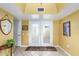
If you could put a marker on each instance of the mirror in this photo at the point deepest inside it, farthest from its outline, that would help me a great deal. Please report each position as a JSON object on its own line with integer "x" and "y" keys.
{"x": 5, "y": 26}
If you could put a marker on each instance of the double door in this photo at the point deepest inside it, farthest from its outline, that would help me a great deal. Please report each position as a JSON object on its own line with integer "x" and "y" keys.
{"x": 40, "y": 33}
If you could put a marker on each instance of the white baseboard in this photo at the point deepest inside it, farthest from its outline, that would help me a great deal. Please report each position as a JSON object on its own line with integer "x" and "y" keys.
{"x": 63, "y": 50}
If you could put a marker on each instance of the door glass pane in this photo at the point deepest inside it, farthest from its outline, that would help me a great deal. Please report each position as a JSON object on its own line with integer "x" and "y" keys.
{"x": 46, "y": 33}
{"x": 35, "y": 34}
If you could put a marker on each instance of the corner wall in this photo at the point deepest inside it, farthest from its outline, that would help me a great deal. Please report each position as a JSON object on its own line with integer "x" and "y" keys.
{"x": 56, "y": 32}
{"x": 70, "y": 44}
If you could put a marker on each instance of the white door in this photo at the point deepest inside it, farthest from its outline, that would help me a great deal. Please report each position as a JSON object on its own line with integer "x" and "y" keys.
{"x": 40, "y": 33}
{"x": 46, "y": 33}
{"x": 34, "y": 33}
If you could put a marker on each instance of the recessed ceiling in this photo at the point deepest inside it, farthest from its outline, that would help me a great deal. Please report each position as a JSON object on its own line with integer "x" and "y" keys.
{"x": 54, "y": 11}
{"x": 31, "y": 8}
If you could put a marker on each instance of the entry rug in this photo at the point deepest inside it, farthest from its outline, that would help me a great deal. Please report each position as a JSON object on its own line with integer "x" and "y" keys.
{"x": 41, "y": 49}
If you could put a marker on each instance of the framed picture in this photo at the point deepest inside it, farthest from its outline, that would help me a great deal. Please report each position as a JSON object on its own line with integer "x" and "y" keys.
{"x": 25, "y": 27}
{"x": 66, "y": 29}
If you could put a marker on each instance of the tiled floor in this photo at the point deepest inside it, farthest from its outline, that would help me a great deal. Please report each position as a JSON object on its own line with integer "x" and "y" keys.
{"x": 20, "y": 51}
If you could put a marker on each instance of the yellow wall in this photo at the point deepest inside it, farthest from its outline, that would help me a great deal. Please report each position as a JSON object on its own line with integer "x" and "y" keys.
{"x": 4, "y": 38}
{"x": 70, "y": 44}
{"x": 25, "y": 35}
{"x": 56, "y": 32}
{"x": 21, "y": 6}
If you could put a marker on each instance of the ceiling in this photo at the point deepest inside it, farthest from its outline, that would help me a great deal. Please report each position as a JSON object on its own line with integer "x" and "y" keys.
{"x": 54, "y": 11}
{"x": 31, "y": 8}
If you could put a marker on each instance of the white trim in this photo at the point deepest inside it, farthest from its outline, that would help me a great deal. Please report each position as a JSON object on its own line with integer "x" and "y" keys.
{"x": 29, "y": 33}
{"x": 52, "y": 43}
{"x": 20, "y": 33}
{"x": 63, "y": 50}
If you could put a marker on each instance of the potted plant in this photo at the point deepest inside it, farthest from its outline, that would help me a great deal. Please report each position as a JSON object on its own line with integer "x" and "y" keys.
{"x": 10, "y": 43}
